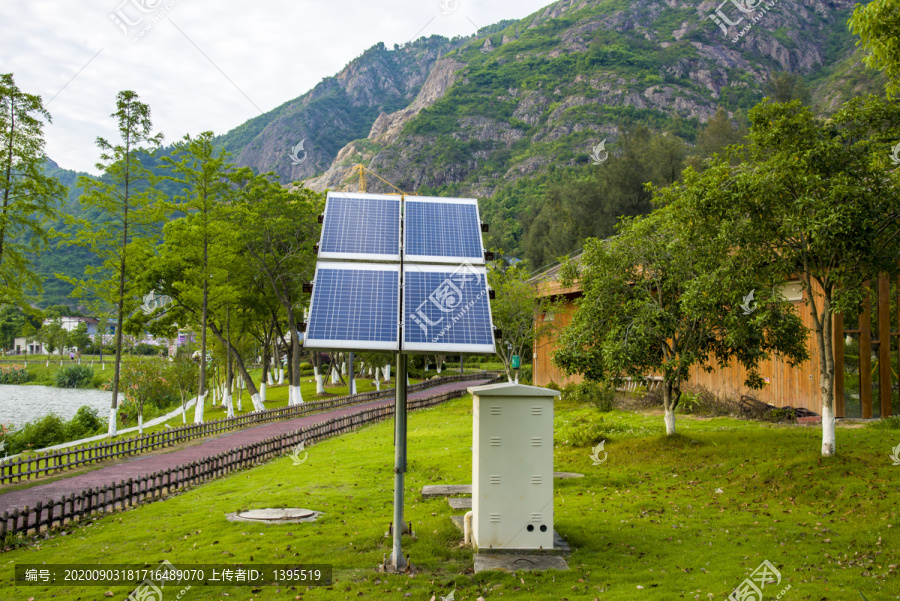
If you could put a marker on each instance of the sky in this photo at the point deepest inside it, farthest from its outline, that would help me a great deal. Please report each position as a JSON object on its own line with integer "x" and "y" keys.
{"x": 202, "y": 64}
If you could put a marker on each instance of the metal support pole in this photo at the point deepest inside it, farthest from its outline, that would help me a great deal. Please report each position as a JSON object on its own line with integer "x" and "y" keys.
{"x": 352, "y": 376}
{"x": 397, "y": 560}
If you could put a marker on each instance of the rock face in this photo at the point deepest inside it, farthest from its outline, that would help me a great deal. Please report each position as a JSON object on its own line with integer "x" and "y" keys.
{"x": 478, "y": 113}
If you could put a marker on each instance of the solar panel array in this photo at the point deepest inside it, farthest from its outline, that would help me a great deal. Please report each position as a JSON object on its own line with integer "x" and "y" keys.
{"x": 355, "y": 306}
{"x": 445, "y": 306}
{"x": 361, "y": 226}
{"x": 442, "y": 230}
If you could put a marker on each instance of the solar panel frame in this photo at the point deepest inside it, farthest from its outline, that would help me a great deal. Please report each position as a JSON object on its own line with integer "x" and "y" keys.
{"x": 349, "y": 304}
{"x": 431, "y": 323}
{"x": 327, "y": 246}
{"x": 409, "y": 254}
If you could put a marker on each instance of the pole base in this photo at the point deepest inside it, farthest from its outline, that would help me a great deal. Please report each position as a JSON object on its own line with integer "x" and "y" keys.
{"x": 390, "y": 565}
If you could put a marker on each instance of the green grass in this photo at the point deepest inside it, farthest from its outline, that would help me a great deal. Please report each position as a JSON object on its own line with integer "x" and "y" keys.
{"x": 649, "y": 516}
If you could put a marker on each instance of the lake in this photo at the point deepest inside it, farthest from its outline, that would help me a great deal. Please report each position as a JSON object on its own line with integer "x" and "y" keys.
{"x": 20, "y": 404}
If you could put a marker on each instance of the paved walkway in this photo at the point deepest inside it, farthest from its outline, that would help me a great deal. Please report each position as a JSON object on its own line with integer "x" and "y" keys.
{"x": 147, "y": 464}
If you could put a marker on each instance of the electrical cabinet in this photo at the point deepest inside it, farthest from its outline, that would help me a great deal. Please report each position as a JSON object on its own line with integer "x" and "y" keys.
{"x": 512, "y": 466}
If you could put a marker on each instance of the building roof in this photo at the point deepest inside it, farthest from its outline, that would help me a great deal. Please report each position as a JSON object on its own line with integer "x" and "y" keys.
{"x": 547, "y": 280}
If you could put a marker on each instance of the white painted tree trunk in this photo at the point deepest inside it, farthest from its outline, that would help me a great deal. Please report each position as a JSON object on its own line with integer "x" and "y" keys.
{"x": 387, "y": 372}
{"x": 377, "y": 384}
{"x": 240, "y": 395}
{"x": 343, "y": 368}
{"x": 334, "y": 375}
{"x": 140, "y": 424}
{"x": 183, "y": 415}
{"x": 280, "y": 376}
{"x": 352, "y": 385}
{"x": 296, "y": 396}
{"x": 439, "y": 366}
{"x": 670, "y": 421}
{"x": 320, "y": 381}
{"x": 103, "y": 367}
{"x": 112, "y": 423}
{"x": 829, "y": 442}
{"x": 258, "y": 403}
{"x": 262, "y": 391}
{"x": 48, "y": 362}
{"x": 229, "y": 408}
{"x": 269, "y": 378}
{"x": 198, "y": 409}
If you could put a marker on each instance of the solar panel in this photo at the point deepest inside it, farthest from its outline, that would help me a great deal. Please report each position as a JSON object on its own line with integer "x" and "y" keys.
{"x": 446, "y": 309}
{"x": 361, "y": 227}
{"x": 354, "y": 306}
{"x": 442, "y": 230}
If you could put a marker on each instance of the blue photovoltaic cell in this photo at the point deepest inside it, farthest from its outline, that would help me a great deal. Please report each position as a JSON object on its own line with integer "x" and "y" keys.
{"x": 449, "y": 310}
{"x": 443, "y": 229}
{"x": 360, "y": 226}
{"x": 356, "y": 307}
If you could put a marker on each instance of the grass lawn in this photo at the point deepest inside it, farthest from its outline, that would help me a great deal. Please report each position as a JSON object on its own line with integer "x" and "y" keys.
{"x": 687, "y": 517}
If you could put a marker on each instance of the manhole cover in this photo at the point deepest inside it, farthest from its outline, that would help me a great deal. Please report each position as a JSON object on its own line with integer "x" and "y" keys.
{"x": 276, "y": 515}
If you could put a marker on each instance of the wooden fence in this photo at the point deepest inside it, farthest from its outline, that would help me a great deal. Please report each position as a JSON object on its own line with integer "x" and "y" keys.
{"x": 45, "y": 463}
{"x": 109, "y": 498}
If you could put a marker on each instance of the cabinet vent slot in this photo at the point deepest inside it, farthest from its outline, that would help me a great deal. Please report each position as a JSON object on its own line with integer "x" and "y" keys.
{"x": 537, "y": 411}
{"x": 495, "y": 441}
{"x": 536, "y": 479}
{"x": 495, "y": 410}
{"x": 536, "y": 441}
{"x": 494, "y": 518}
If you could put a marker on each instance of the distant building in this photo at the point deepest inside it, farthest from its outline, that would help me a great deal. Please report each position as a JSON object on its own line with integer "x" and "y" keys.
{"x": 24, "y": 345}
{"x": 69, "y": 324}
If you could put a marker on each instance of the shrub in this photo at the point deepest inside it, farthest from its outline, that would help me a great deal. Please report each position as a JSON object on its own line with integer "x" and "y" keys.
{"x": 85, "y": 423}
{"x": 305, "y": 366}
{"x": 600, "y": 396}
{"x": 74, "y": 376}
{"x": 47, "y": 431}
{"x": 580, "y": 431}
{"x": 888, "y": 423}
{"x": 13, "y": 374}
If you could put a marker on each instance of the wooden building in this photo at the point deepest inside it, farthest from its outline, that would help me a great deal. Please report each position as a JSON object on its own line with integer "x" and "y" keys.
{"x": 866, "y": 353}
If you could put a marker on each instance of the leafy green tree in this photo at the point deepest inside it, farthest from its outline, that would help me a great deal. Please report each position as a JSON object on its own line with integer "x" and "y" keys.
{"x": 717, "y": 135}
{"x": 201, "y": 170}
{"x": 54, "y": 336}
{"x": 877, "y": 23}
{"x": 128, "y": 207}
{"x": 12, "y": 322}
{"x": 591, "y": 205}
{"x": 785, "y": 87}
{"x": 513, "y": 310}
{"x": 663, "y": 296}
{"x": 29, "y": 197}
{"x": 80, "y": 338}
{"x": 279, "y": 229}
{"x": 820, "y": 199}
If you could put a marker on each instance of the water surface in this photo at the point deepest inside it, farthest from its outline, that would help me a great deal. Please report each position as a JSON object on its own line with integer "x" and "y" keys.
{"x": 20, "y": 404}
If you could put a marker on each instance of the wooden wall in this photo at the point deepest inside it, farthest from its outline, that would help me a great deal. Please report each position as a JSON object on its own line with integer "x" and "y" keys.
{"x": 786, "y": 386}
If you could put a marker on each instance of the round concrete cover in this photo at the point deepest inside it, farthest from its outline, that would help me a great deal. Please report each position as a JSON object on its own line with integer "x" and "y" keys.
{"x": 276, "y": 514}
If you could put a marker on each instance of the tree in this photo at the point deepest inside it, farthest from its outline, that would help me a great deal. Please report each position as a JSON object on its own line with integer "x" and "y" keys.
{"x": 877, "y": 23}
{"x": 202, "y": 171}
{"x": 29, "y": 197}
{"x": 785, "y": 87}
{"x": 821, "y": 200}
{"x": 12, "y": 322}
{"x": 513, "y": 310}
{"x": 590, "y": 205}
{"x": 279, "y": 228}
{"x": 54, "y": 336}
{"x": 129, "y": 211}
{"x": 663, "y": 296}
{"x": 80, "y": 338}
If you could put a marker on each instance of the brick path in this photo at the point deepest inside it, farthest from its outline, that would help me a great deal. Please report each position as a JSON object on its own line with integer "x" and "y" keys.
{"x": 148, "y": 464}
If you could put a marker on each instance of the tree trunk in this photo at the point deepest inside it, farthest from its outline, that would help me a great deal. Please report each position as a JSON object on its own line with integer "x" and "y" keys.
{"x": 320, "y": 378}
{"x": 387, "y": 372}
{"x": 295, "y": 396}
{"x": 824, "y": 340}
{"x": 239, "y": 362}
{"x": 119, "y": 319}
{"x": 671, "y": 396}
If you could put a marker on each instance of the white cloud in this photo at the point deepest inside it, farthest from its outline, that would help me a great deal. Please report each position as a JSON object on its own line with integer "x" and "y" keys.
{"x": 202, "y": 64}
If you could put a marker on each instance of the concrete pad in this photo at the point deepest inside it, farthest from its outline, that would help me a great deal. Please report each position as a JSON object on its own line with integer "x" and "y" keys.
{"x": 460, "y": 502}
{"x": 567, "y": 475}
{"x": 446, "y": 490}
{"x": 518, "y": 563}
